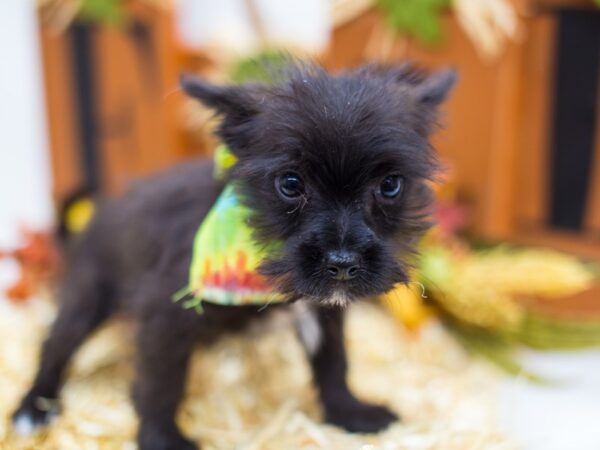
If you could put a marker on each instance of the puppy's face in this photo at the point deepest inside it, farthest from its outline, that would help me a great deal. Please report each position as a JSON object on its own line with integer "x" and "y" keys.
{"x": 337, "y": 168}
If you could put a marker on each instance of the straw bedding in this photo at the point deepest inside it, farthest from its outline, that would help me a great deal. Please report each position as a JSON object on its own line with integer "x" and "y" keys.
{"x": 254, "y": 392}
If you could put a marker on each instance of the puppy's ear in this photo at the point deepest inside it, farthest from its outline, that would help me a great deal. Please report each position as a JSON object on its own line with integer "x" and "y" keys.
{"x": 236, "y": 104}
{"x": 434, "y": 89}
{"x": 224, "y": 100}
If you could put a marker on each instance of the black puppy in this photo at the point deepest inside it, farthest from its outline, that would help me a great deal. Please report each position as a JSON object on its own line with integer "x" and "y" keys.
{"x": 335, "y": 167}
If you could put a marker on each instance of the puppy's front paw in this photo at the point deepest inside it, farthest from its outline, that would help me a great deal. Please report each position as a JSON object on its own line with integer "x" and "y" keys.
{"x": 33, "y": 413}
{"x": 156, "y": 438}
{"x": 358, "y": 417}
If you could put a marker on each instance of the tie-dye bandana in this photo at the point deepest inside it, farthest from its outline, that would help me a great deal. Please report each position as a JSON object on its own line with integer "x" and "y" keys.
{"x": 225, "y": 256}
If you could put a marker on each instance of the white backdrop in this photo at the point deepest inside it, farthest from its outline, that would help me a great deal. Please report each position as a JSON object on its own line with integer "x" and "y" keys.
{"x": 24, "y": 169}
{"x": 227, "y": 24}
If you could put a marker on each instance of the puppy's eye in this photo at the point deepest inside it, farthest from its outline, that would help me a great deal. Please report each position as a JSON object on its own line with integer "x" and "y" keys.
{"x": 391, "y": 186}
{"x": 290, "y": 185}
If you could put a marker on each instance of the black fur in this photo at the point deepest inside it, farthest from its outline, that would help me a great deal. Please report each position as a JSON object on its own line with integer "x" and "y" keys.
{"x": 343, "y": 135}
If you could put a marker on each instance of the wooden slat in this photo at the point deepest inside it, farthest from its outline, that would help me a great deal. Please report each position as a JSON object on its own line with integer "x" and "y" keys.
{"x": 348, "y": 42}
{"x": 61, "y": 115}
{"x": 532, "y": 182}
{"x": 592, "y": 217}
{"x": 465, "y": 140}
{"x": 504, "y": 146}
{"x": 138, "y": 118}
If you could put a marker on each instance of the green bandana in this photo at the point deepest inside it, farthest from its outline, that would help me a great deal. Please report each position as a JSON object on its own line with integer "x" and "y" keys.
{"x": 225, "y": 256}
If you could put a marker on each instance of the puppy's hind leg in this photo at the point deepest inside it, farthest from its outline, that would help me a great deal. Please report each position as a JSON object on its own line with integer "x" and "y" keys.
{"x": 85, "y": 302}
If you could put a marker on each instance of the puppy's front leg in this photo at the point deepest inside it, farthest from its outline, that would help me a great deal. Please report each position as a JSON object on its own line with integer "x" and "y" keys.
{"x": 321, "y": 331}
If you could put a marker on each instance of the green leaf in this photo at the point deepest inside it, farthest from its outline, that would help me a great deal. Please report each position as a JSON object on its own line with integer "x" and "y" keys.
{"x": 553, "y": 333}
{"x": 418, "y": 18}
{"x": 265, "y": 67}
{"x": 436, "y": 266}
{"x": 109, "y": 12}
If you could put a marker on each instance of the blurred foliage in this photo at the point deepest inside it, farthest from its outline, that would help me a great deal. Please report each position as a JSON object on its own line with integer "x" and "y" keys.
{"x": 495, "y": 348}
{"x": 267, "y": 66}
{"x": 110, "y": 12}
{"x": 537, "y": 331}
{"x": 478, "y": 295}
{"x": 58, "y": 15}
{"x": 419, "y": 18}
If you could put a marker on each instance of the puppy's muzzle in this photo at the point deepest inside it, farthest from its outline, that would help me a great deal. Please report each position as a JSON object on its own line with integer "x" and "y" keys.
{"x": 342, "y": 265}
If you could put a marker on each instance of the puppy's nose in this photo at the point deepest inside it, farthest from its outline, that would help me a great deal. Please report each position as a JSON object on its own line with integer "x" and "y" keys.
{"x": 342, "y": 265}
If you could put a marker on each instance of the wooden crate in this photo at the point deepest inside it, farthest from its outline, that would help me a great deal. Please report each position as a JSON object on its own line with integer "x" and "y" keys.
{"x": 499, "y": 120}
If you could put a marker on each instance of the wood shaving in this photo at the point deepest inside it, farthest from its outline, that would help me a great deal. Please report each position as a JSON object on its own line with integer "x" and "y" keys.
{"x": 253, "y": 392}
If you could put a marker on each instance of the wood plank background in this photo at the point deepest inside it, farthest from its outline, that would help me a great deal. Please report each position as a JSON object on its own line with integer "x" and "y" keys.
{"x": 498, "y": 119}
